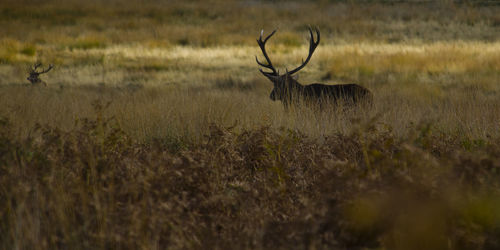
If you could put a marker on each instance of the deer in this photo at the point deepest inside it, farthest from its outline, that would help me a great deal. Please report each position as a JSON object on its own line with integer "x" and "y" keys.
{"x": 34, "y": 77}
{"x": 289, "y": 91}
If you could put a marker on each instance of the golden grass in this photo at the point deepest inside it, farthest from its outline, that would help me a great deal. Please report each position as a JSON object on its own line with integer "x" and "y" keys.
{"x": 452, "y": 84}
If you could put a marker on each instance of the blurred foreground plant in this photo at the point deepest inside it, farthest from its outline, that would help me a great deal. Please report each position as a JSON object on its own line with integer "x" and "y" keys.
{"x": 94, "y": 187}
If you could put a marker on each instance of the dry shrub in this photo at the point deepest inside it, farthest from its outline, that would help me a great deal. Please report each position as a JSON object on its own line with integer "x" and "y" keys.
{"x": 95, "y": 187}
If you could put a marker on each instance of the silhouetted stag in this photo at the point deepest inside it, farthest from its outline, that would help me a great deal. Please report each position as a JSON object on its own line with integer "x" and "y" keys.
{"x": 34, "y": 77}
{"x": 288, "y": 90}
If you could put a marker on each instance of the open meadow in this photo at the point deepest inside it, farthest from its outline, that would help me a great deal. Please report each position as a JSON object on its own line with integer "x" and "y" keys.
{"x": 156, "y": 129}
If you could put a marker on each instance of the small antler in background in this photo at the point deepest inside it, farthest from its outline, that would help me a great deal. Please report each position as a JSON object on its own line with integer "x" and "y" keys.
{"x": 34, "y": 76}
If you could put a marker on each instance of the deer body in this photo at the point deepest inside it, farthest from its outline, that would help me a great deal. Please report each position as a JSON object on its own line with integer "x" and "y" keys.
{"x": 288, "y": 90}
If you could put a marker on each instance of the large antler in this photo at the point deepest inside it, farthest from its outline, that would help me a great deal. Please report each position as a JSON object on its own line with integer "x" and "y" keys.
{"x": 262, "y": 45}
{"x": 36, "y": 65}
{"x": 47, "y": 70}
{"x": 312, "y": 46}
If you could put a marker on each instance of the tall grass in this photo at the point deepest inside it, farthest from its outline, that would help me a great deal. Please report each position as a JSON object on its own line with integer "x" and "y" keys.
{"x": 153, "y": 111}
{"x": 94, "y": 187}
{"x": 452, "y": 85}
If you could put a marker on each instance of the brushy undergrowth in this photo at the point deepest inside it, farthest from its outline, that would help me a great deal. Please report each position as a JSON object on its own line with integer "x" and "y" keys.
{"x": 95, "y": 187}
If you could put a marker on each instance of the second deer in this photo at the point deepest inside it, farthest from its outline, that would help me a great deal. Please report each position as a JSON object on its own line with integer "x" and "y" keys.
{"x": 288, "y": 90}
{"x": 34, "y": 77}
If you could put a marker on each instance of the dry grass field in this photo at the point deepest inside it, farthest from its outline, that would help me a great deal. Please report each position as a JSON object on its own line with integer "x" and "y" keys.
{"x": 156, "y": 129}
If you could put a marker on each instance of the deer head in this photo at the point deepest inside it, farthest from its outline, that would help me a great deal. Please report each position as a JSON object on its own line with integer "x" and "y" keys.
{"x": 286, "y": 84}
{"x": 34, "y": 76}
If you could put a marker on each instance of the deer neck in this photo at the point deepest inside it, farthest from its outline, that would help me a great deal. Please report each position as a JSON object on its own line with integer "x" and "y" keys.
{"x": 294, "y": 85}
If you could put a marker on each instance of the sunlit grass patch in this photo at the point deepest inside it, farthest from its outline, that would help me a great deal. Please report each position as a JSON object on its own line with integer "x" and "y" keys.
{"x": 403, "y": 59}
{"x": 14, "y": 51}
{"x": 88, "y": 42}
{"x": 411, "y": 82}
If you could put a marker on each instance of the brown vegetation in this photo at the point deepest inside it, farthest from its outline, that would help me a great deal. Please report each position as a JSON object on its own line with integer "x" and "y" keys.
{"x": 94, "y": 187}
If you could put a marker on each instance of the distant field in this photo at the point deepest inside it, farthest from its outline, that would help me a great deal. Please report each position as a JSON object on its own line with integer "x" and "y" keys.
{"x": 156, "y": 129}
{"x": 451, "y": 84}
